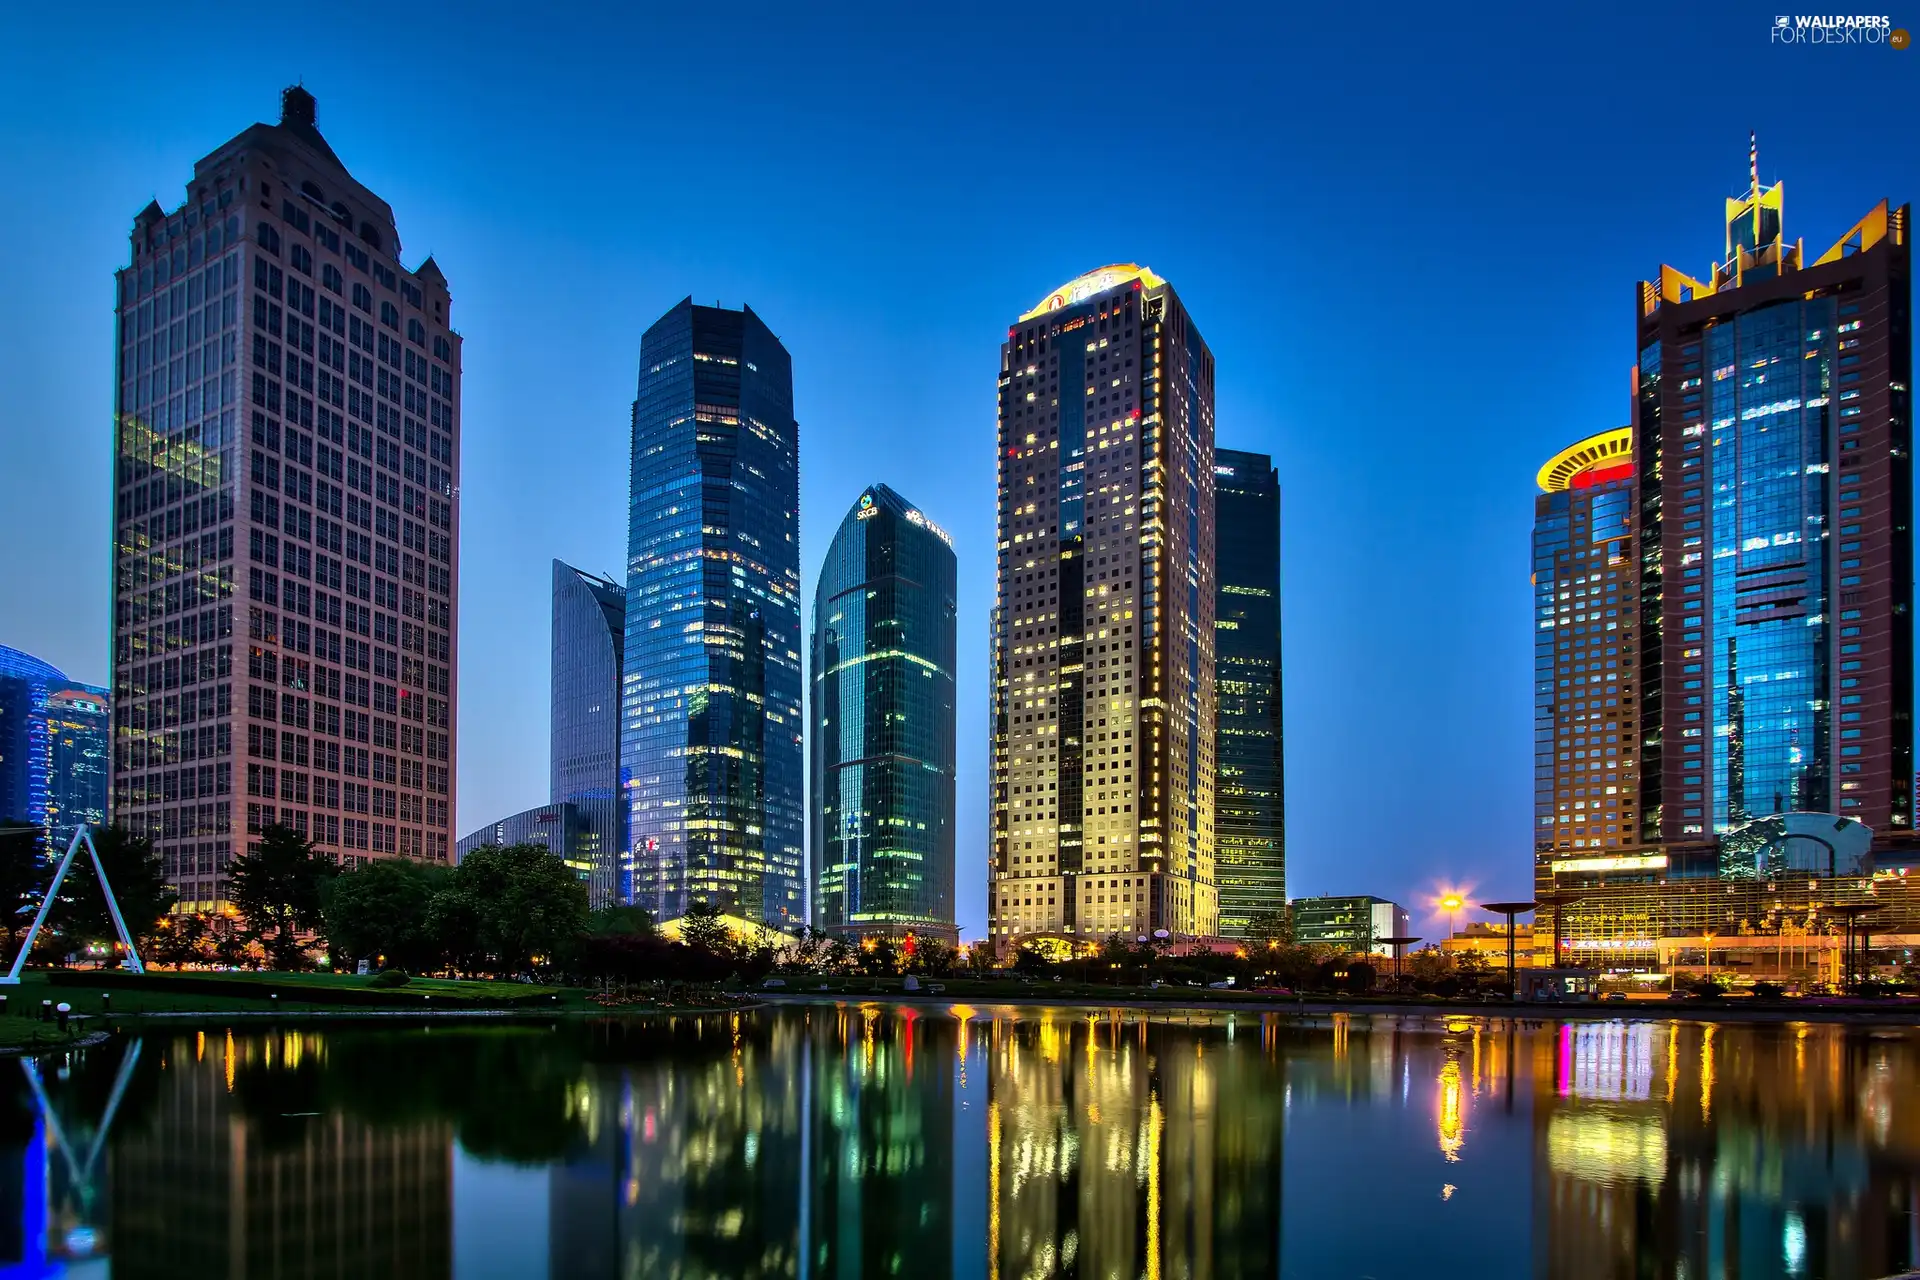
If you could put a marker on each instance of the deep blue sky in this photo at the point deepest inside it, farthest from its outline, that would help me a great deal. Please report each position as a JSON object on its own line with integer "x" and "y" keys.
{"x": 1411, "y": 237}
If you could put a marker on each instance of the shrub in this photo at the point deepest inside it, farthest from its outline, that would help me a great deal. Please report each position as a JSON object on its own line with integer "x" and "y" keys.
{"x": 390, "y": 978}
{"x": 1768, "y": 991}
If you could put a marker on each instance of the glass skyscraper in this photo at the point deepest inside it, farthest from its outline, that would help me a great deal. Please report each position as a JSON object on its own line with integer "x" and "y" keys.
{"x": 710, "y": 739}
{"x": 882, "y": 808}
{"x": 589, "y": 644}
{"x": 1250, "y": 815}
{"x": 1776, "y": 530}
{"x": 1103, "y": 665}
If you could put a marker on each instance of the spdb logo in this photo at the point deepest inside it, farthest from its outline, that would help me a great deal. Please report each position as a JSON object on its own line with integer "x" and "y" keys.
{"x": 1837, "y": 29}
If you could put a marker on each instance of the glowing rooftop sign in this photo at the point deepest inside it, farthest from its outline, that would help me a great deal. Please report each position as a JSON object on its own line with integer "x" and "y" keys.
{"x": 1094, "y": 282}
{"x": 1604, "y": 452}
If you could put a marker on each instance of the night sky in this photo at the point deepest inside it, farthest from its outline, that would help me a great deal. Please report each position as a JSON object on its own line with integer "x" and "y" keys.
{"x": 1411, "y": 237}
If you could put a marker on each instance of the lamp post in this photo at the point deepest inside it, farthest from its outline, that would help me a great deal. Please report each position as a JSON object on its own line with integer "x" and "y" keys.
{"x": 1510, "y": 910}
{"x": 1397, "y": 942}
{"x": 1451, "y": 903}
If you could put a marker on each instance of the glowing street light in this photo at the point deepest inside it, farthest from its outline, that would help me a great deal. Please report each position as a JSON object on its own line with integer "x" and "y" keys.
{"x": 1451, "y": 903}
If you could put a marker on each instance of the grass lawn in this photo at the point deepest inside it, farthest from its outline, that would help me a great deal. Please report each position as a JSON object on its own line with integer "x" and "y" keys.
{"x": 169, "y": 992}
{"x": 17, "y": 1032}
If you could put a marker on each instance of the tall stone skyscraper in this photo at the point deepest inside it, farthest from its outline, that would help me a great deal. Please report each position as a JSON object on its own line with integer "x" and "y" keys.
{"x": 882, "y": 807}
{"x": 1250, "y": 827}
{"x": 589, "y": 647}
{"x": 1776, "y": 530}
{"x": 286, "y": 520}
{"x": 710, "y": 754}
{"x": 1103, "y": 664}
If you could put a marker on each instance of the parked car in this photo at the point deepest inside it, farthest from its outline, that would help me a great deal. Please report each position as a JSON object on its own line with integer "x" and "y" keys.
{"x": 773, "y": 984}
{"x": 1619, "y": 996}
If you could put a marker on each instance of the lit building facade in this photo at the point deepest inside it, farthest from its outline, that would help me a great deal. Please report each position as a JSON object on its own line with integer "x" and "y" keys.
{"x": 1775, "y": 484}
{"x": 883, "y": 715}
{"x": 710, "y": 742}
{"x": 1353, "y": 923}
{"x": 80, "y": 746}
{"x": 1102, "y": 680}
{"x": 1586, "y": 593}
{"x": 53, "y": 747}
{"x": 1250, "y": 815}
{"x": 589, "y": 646}
{"x": 286, "y": 518}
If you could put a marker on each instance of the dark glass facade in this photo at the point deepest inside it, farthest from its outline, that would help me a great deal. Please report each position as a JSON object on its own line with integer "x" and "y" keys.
{"x": 79, "y": 744}
{"x": 560, "y": 828}
{"x": 710, "y": 741}
{"x": 589, "y": 642}
{"x": 883, "y": 716}
{"x": 1776, "y": 512}
{"x": 1250, "y": 817}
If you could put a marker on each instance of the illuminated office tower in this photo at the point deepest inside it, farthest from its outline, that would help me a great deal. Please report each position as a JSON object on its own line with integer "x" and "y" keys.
{"x": 1775, "y": 476}
{"x": 1103, "y": 666}
{"x": 1585, "y": 699}
{"x": 285, "y": 519}
{"x": 79, "y": 744}
{"x": 882, "y": 804}
{"x": 589, "y": 643}
{"x": 1250, "y": 823}
{"x": 710, "y": 755}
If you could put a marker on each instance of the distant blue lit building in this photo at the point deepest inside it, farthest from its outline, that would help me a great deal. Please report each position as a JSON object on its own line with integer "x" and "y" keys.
{"x": 53, "y": 746}
{"x": 883, "y": 717}
{"x": 589, "y": 642}
{"x": 710, "y": 740}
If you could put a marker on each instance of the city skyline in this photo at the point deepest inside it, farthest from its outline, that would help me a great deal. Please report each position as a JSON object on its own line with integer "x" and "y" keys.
{"x": 1334, "y": 571}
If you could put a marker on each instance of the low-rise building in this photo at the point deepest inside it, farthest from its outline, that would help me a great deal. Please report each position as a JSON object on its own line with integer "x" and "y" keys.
{"x": 1490, "y": 940}
{"x": 1355, "y": 923}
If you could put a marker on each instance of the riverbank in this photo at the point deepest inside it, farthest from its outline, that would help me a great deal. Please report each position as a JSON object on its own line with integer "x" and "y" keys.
{"x": 1876, "y": 1012}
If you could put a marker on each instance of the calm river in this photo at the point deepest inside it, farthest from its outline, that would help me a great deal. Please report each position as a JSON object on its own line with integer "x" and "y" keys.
{"x": 867, "y": 1141}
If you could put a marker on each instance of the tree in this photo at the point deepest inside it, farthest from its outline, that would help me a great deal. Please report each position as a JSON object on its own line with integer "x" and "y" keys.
{"x": 518, "y": 905}
{"x": 702, "y": 927}
{"x": 182, "y": 939}
{"x": 381, "y": 910}
{"x": 620, "y": 922}
{"x": 277, "y": 887}
{"x": 1271, "y": 927}
{"x": 23, "y": 875}
{"x": 138, "y": 877}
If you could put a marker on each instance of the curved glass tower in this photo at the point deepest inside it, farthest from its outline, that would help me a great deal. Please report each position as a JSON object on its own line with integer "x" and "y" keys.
{"x": 589, "y": 643}
{"x": 710, "y": 758}
{"x": 883, "y": 718}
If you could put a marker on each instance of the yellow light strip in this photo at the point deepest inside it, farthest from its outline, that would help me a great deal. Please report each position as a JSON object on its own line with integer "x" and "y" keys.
{"x": 1609, "y": 448}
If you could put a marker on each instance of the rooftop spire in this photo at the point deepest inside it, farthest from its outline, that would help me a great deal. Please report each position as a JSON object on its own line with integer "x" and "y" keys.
{"x": 1753, "y": 161}
{"x": 297, "y": 106}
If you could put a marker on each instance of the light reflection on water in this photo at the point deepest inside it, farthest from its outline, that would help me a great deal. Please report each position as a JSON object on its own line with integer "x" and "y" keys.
{"x": 868, "y": 1140}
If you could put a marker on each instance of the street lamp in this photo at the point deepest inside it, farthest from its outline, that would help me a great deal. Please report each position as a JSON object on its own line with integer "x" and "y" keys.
{"x": 1451, "y": 903}
{"x": 1509, "y": 910}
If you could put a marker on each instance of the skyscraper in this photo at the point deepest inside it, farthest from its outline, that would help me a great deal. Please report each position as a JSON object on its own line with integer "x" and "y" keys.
{"x": 710, "y": 754}
{"x": 1250, "y": 816}
{"x": 1586, "y": 587}
{"x": 286, "y": 526}
{"x": 883, "y": 715}
{"x": 589, "y": 642}
{"x": 1776, "y": 537}
{"x": 1103, "y": 664}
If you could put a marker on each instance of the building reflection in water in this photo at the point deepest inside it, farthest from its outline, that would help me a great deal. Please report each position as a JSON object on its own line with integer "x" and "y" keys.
{"x": 843, "y": 1141}
{"x": 225, "y": 1162}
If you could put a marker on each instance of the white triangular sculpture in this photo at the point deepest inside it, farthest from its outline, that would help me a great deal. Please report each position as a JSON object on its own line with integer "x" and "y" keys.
{"x": 53, "y": 891}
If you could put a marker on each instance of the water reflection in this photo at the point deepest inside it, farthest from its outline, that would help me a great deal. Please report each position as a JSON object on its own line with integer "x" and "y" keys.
{"x": 865, "y": 1141}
